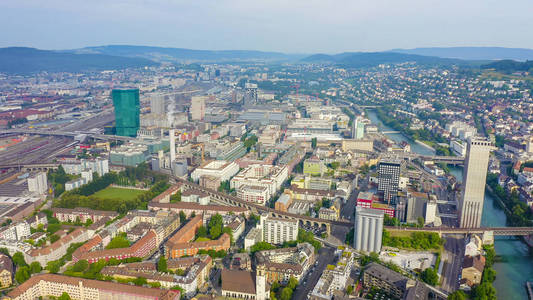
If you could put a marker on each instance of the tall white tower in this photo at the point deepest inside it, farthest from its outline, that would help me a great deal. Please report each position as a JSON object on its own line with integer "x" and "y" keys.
{"x": 172, "y": 144}
{"x": 474, "y": 177}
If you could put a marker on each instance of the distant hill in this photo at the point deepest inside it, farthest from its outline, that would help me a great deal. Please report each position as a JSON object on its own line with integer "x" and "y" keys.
{"x": 21, "y": 60}
{"x": 473, "y": 53}
{"x": 510, "y": 66}
{"x": 187, "y": 55}
{"x": 371, "y": 59}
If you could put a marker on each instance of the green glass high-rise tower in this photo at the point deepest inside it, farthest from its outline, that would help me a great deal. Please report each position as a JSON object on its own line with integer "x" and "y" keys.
{"x": 127, "y": 111}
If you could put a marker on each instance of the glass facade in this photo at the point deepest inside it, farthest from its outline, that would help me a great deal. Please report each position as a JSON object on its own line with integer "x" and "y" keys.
{"x": 127, "y": 110}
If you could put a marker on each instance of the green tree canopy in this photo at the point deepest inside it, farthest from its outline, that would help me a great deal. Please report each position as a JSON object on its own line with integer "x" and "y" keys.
{"x": 430, "y": 276}
{"x": 35, "y": 267}
{"x": 215, "y": 226}
{"x": 22, "y": 274}
{"x": 18, "y": 259}
{"x": 162, "y": 264}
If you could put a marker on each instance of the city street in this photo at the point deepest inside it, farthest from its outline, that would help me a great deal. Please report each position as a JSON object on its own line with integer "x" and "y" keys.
{"x": 324, "y": 257}
{"x": 453, "y": 259}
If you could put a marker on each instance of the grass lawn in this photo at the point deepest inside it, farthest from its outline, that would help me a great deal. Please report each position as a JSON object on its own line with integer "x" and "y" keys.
{"x": 118, "y": 193}
{"x": 399, "y": 233}
{"x": 202, "y": 239}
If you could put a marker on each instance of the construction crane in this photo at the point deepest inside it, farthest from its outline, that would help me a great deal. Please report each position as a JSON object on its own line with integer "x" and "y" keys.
{"x": 200, "y": 145}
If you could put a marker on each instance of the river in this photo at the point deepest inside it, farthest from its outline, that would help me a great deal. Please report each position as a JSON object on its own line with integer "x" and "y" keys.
{"x": 516, "y": 265}
{"x": 398, "y": 137}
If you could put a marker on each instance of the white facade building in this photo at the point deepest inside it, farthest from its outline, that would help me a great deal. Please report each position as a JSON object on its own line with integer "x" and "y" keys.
{"x": 38, "y": 183}
{"x": 368, "y": 229}
{"x": 98, "y": 165}
{"x": 220, "y": 169}
{"x": 475, "y": 175}
{"x": 253, "y": 193}
{"x": 278, "y": 230}
{"x": 197, "y": 107}
{"x": 271, "y": 177}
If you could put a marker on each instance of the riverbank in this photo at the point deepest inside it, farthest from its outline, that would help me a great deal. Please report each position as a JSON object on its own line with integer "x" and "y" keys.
{"x": 421, "y": 143}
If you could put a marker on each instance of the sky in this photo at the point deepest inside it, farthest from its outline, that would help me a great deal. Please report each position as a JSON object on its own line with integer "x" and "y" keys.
{"x": 291, "y": 26}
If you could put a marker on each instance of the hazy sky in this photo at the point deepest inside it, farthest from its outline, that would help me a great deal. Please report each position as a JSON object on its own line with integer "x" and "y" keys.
{"x": 304, "y": 26}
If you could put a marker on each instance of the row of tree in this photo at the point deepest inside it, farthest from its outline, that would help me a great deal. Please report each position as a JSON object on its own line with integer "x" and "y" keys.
{"x": 121, "y": 205}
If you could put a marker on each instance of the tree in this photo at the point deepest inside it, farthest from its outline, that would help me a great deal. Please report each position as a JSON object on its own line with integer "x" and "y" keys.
{"x": 430, "y": 276}
{"x": 484, "y": 291}
{"x": 215, "y": 226}
{"x": 489, "y": 275}
{"x": 180, "y": 272}
{"x": 261, "y": 246}
{"x": 53, "y": 228}
{"x": 162, "y": 264}
{"x": 349, "y": 289}
{"x": 53, "y": 266}
{"x": 183, "y": 217}
{"x": 89, "y": 222}
{"x": 4, "y": 251}
{"x": 18, "y": 259}
{"x": 489, "y": 255}
{"x": 176, "y": 197}
{"x": 22, "y": 274}
{"x": 54, "y": 238}
{"x": 80, "y": 266}
{"x": 293, "y": 283}
{"x": 201, "y": 232}
{"x": 457, "y": 295}
{"x": 119, "y": 241}
{"x": 35, "y": 267}
{"x": 420, "y": 222}
{"x": 313, "y": 143}
{"x": 140, "y": 281}
{"x": 229, "y": 232}
{"x": 286, "y": 294}
{"x": 64, "y": 296}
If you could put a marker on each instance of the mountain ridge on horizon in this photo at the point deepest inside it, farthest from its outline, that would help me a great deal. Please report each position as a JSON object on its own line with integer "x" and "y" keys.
{"x": 30, "y": 60}
{"x": 472, "y": 53}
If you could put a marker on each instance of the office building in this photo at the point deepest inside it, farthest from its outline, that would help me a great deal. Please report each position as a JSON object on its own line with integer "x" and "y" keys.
{"x": 157, "y": 104}
{"x": 219, "y": 169}
{"x": 197, "y": 108}
{"x": 37, "y": 183}
{"x": 368, "y": 229}
{"x": 358, "y": 130}
{"x": 271, "y": 177}
{"x": 250, "y": 96}
{"x": 127, "y": 111}
{"x": 475, "y": 175}
{"x": 253, "y": 193}
{"x": 389, "y": 179}
{"x": 278, "y": 230}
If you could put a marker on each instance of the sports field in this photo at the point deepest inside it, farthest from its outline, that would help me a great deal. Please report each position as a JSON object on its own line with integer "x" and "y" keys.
{"x": 118, "y": 193}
